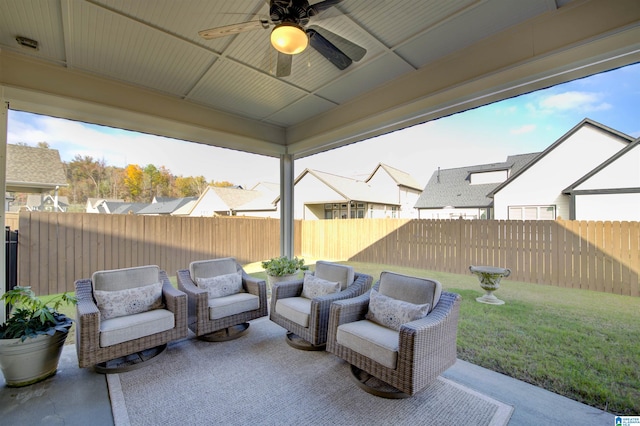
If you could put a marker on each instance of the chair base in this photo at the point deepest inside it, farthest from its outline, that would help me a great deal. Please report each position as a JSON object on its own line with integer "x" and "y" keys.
{"x": 130, "y": 362}
{"x": 375, "y": 386}
{"x": 226, "y": 334}
{"x": 298, "y": 342}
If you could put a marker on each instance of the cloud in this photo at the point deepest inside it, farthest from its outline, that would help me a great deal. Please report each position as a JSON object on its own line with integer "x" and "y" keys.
{"x": 527, "y": 128}
{"x": 119, "y": 147}
{"x": 573, "y": 101}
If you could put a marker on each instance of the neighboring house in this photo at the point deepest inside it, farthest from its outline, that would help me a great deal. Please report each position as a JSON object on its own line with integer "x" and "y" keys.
{"x": 590, "y": 173}
{"x": 269, "y": 189}
{"x": 611, "y": 191}
{"x": 320, "y": 195}
{"x": 120, "y": 207}
{"x": 47, "y": 203}
{"x": 538, "y": 190}
{"x": 389, "y": 180}
{"x": 94, "y": 203}
{"x": 33, "y": 170}
{"x": 232, "y": 201}
{"x": 165, "y": 207}
{"x": 461, "y": 193}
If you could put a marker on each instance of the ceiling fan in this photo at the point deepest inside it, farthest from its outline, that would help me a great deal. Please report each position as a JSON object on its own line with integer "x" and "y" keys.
{"x": 291, "y": 35}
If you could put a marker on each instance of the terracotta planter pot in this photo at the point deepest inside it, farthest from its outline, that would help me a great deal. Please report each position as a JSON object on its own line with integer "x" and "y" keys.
{"x": 28, "y": 362}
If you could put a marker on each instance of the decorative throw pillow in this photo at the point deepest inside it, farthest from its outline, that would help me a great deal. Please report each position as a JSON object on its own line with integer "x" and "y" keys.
{"x": 313, "y": 286}
{"x": 392, "y": 313}
{"x": 222, "y": 285}
{"x": 119, "y": 303}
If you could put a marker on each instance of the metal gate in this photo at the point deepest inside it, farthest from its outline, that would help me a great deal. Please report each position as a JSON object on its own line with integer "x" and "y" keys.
{"x": 11, "y": 250}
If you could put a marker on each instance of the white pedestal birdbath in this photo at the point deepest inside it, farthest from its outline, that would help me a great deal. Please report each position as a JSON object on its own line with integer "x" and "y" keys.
{"x": 489, "y": 277}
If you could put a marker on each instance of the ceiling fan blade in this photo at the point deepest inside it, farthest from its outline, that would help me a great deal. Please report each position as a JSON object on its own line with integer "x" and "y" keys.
{"x": 328, "y": 50}
{"x": 349, "y": 48}
{"x": 233, "y": 29}
{"x": 314, "y": 9}
{"x": 283, "y": 65}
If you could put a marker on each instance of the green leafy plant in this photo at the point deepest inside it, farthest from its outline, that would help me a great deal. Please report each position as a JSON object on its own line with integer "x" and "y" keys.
{"x": 279, "y": 266}
{"x": 31, "y": 316}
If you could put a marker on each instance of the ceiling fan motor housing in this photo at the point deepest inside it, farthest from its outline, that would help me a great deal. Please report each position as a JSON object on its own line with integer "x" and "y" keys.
{"x": 296, "y": 11}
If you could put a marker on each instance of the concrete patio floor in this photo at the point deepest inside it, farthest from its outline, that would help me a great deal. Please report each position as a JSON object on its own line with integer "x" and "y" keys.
{"x": 80, "y": 397}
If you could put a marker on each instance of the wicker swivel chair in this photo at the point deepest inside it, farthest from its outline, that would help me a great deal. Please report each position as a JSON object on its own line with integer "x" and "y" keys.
{"x": 305, "y": 316}
{"x": 393, "y": 348}
{"x": 222, "y": 298}
{"x": 126, "y": 317}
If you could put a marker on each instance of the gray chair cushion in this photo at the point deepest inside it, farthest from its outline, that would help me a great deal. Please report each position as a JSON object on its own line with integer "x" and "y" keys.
{"x": 418, "y": 291}
{"x": 296, "y": 309}
{"x": 212, "y": 268}
{"x": 371, "y": 340}
{"x": 335, "y": 272}
{"x": 222, "y": 307}
{"x": 122, "y": 279}
{"x": 132, "y": 327}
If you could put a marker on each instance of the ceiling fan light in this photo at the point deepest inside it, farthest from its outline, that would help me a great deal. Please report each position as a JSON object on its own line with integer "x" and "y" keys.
{"x": 289, "y": 38}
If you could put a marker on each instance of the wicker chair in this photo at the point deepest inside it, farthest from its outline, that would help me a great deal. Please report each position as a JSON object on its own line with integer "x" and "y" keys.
{"x": 226, "y": 317}
{"x": 126, "y": 317}
{"x": 306, "y": 320}
{"x": 395, "y": 363}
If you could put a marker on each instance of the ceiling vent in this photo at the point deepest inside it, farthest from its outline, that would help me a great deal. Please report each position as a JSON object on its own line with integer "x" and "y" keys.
{"x": 27, "y": 43}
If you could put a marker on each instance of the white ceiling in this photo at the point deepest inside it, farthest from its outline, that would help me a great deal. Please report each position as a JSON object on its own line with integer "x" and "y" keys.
{"x": 141, "y": 64}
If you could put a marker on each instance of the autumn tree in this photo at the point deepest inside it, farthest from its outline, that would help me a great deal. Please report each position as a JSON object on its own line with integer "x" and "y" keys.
{"x": 191, "y": 186}
{"x": 89, "y": 176}
{"x": 222, "y": 184}
{"x": 133, "y": 181}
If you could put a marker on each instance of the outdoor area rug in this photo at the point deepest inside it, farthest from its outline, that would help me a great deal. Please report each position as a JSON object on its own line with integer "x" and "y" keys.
{"x": 260, "y": 380}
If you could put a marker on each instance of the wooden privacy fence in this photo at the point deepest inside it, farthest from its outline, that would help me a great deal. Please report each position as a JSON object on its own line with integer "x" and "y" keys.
{"x": 55, "y": 249}
{"x": 601, "y": 256}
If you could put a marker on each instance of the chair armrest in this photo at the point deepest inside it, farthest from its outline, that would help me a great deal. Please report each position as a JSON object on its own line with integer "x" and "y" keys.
{"x": 87, "y": 322}
{"x": 349, "y": 310}
{"x": 285, "y": 289}
{"x": 438, "y": 330}
{"x": 86, "y": 308}
{"x": 185, "y": 284}
{"x": 173, "y": 298}
{"x": 253, "y": 285}
{"x": 360, "y": 285}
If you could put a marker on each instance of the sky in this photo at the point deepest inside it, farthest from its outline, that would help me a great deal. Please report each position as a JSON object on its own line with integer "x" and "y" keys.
{"x": 488, "y": 134}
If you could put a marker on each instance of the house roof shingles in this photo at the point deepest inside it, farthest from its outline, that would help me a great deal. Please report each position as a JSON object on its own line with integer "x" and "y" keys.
{"x": 165, "y": 207}
{"x": 452, "y": 188}
{"x": 399, "y": 177}
{"x": 350, "y": 189}
{"x": 34, "y": 168}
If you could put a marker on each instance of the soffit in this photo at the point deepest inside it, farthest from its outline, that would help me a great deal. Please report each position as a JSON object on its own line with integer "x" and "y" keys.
{"x": 141, "y": 65}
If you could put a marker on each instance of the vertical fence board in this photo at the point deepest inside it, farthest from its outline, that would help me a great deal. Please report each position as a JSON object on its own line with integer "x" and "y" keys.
{"x": 634, "y": 258}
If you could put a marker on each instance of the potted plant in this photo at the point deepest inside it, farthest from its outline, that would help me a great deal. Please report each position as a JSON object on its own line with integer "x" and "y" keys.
{"x": 282, "y": 268}
{"x": 31, "y": 340}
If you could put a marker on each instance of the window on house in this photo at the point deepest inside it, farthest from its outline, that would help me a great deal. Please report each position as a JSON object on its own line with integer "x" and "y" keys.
{"x": 532, "y": 212}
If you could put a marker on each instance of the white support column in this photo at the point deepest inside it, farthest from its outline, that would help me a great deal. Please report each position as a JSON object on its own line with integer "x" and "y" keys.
{"x": 286, "y": 205}
{"x": 4, "y": 117}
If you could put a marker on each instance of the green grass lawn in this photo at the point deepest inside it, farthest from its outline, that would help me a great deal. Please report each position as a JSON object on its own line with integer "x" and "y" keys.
{"x": 582, "y": 344}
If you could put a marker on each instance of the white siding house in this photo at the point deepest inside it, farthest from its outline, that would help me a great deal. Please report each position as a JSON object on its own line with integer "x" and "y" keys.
{"x": 386, "y": 193}
{"x": 404, "y": 189}
{"x": 611, "y": 191}
{"x": 536, "y": 191}
{"x": 223, "y": 201}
